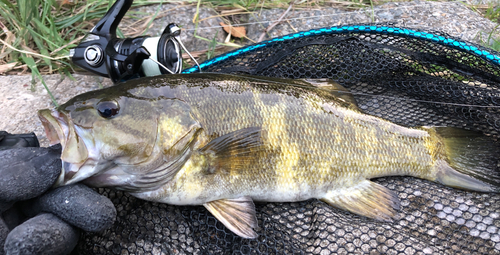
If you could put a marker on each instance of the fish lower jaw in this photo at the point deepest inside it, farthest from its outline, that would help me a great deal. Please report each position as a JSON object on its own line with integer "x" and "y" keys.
{"x": 73, "y": 173}
{"x": 60, "y": 180}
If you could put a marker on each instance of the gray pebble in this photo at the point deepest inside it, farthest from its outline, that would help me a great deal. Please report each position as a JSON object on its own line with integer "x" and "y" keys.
{"x": 78, "y": 205}
{"x": 43, "y": 234}
{"x": 27, "y": 172}
{"x": 4, "y": 231}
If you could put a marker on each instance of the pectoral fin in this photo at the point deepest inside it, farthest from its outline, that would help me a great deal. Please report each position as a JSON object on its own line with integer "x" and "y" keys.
{"x": 367, "y": 199}
{"x": 238, "y": 215}
{"x": 233, "y": 151}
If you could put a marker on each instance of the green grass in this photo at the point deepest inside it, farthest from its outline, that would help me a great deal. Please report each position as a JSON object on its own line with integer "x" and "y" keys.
{"x": 492, "y": 40}
{"x": 211, "y": 47}
{"x": 493, "y": 13}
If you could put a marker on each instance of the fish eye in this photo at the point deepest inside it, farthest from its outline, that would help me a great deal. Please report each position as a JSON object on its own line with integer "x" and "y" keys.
{"x": 108, "y": 109}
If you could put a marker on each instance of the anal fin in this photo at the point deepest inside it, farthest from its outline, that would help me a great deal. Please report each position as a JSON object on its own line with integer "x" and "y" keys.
{"x": 237, "y": 214}
{"x": 367, "y": 199}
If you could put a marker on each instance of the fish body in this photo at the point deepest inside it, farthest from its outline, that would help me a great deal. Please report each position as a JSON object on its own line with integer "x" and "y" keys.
{"x": 224, "y": 141}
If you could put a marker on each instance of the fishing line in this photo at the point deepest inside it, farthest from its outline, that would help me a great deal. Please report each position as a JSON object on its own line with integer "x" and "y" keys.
{"x": 364, "y": 10}
{"x": 379, "y": 96}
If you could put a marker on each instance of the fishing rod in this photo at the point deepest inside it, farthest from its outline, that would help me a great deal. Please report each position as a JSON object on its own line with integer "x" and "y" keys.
{"x": 103, "y": 53}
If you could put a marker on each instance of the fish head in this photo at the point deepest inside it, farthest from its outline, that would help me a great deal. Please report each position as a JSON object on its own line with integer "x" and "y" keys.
{"x": 99, "y": 132}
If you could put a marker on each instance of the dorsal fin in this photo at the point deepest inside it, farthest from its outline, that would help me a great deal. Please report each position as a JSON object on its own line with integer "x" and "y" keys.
{"x": 343, "y": 95}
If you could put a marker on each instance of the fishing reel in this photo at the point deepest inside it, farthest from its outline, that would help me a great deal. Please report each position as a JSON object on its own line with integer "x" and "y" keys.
{"x": 102, "y": 53}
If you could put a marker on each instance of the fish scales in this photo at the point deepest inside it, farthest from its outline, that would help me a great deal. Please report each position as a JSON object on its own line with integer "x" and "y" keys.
{"x": 311, "y": 150}
{"x": 224, "y": 141}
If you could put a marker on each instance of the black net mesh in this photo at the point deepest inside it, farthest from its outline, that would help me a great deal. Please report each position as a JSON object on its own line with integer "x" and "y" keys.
{"x": 405, "y": 79}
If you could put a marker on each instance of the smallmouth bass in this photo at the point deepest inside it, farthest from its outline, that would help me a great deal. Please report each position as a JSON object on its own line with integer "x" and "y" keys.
{"x": 224, "y": 141}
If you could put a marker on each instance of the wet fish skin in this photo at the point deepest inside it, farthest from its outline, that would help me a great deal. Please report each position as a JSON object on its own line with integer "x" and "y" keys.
{"x": 224, "y": 141}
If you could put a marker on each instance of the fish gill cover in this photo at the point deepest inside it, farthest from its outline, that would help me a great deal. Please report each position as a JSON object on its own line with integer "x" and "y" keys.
{"x": 407, "y": 76}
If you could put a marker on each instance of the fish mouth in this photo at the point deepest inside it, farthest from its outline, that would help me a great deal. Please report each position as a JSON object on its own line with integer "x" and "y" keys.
{"x": 55, "y": 125}
{"x": 60, "y": 129}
